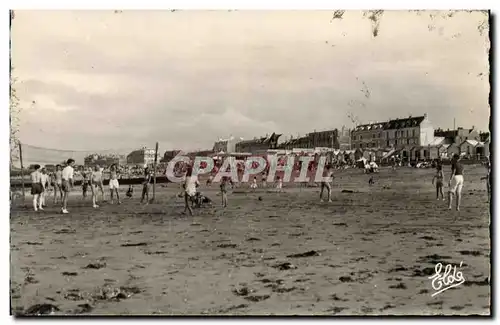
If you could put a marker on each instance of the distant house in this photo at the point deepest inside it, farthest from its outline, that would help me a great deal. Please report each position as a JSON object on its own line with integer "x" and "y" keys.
{"x": 169, "y": 155}
{"x": 443, "y": 150}
{"x": 472, "y": 149}
{"x": 258, "y": 144}
{"x": 452, "y": 150}
{"x": 102, "y": 160}
{"x": 226, "y": 145}
{"x": 143, "y": 156}
{"x": 401, "y": 134}
{"x": 459, "y": 135}
{"x": 487, "y": 143}
{"x": 433, "y": 150}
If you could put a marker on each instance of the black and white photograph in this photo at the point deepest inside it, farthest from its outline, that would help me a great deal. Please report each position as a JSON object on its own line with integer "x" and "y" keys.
{"x": 231, "y": 162}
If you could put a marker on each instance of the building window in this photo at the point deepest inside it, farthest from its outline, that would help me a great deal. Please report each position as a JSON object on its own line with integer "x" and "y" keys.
{"x": 408, "y": 141}
{"x": 396, "y": 142}
{"x": 388, "y": 143}
{"x": 387, "y": 135}
{"x": 414, "y": 133}
{"x": 407, "y": 133}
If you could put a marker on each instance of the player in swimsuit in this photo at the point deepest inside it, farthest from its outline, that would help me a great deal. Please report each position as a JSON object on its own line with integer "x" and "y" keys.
{"x": 456, "y": 181}
{"x": 45, "y": 186}
{"x": 145, "y": 185}
{"x": 223, "y": 191}
{"x": 97, "y": 181}
{"x": 190, "y": 189}
{"x": 327, "y": 184}
{"x": 36, "y": 188}
{"x": 488, "y": 181}
{"x": 58, "y": 183}
{"x": 67, "y": 183}
{"x": 114, "y": 186}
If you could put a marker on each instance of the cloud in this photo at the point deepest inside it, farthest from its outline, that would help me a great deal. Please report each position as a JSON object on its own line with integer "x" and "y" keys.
{"x": 92, "y": 79}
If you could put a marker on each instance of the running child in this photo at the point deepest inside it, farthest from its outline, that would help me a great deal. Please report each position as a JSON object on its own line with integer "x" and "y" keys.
{"x": 67, "y": 183}
{"x": 439, "y": 177}
{"x": 36, "y": 188}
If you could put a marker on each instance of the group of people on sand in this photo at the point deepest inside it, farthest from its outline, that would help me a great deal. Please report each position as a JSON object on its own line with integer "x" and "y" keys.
{"x": 193, "y": 197}
{"x": 62, "y": 183}
{"x": 455, "y": 182}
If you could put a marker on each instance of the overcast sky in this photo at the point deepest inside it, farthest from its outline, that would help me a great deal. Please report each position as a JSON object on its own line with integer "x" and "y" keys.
{"x": 100, "y": 80}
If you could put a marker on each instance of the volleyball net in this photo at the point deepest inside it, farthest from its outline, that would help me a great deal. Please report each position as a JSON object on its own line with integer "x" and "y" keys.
{"x": 29, "y": 155}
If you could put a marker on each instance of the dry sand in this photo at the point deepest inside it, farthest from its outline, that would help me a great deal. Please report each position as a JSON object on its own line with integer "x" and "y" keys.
{"x": 372, "y": 252}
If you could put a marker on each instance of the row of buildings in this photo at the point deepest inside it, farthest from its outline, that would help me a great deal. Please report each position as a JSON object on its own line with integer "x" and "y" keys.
{"x": 414, "y": 138}
{"x": 411, "y": 138}
{"x": 139, "y": 157}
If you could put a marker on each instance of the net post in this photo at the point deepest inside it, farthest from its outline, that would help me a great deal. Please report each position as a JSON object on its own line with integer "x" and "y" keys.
{"x": 22, "y": 169}
{"x": 154, "y": 172}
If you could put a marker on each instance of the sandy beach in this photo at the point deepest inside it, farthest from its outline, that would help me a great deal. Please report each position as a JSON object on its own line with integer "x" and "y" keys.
{"x": 369, "y": 252}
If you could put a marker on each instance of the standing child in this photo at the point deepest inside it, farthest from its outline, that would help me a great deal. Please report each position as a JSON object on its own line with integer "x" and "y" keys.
{"x": 210, "y": 180}
{"x": 85, "y": 183}
{"x": 130, "y": 191}
{"x": 254, "y": 183}
{"x": 223, "y": 191}
{"x": 279, "y": 184}
{"x": 439, "y": 182}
